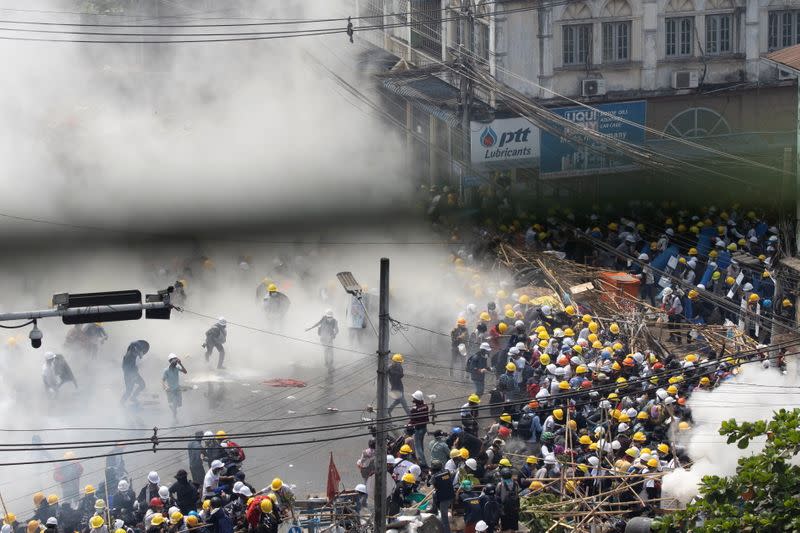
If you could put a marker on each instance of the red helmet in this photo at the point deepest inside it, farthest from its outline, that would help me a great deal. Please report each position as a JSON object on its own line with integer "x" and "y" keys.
{"x": 156, "y": 502}
{"x": 504, "y": 432}
{"x": 586, "y": 384}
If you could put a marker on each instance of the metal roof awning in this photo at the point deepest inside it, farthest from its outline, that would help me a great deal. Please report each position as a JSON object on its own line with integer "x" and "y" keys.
{"x": 429, "y": 94}
{"x": 786, "y": 58}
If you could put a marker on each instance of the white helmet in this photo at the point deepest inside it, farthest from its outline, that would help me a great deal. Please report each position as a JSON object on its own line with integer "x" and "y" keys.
{"x": 472, "y": 464}
{"x": 171, "y": 356}
{"x": 216, "y": 463}
{"x": 416, "y": 470}
{"x": 644, "y": 257}
{"x": 49, "y": 356}
{"x": 361, "y": 488}
{"x": 472, "y": 308}
{"x": 519, "y": 324}
{"x": 221, "y": 321}
{"x": 747, "y": 287}
{"x": 208, "y": 433}
{"x": 513, "y": 351}
{"x": 481, "y": 526}
{"x": 623, "y": 427}
{"x": 550, "y": 459}
{"x": 485, "y": 346}
{"x": 173, "y": 509}
{"x": 163, "y": 492}
{"x": 546, "y": 309}
{"x": 390, "y": 459}
{"x": 520, "y": 346}
{"x": 329, "y": 313}
{"x": 153, "y": 478}
{"x": 594, "y": 461}
{"x": 245, "y": 491}
{"x": 123, "y": 486}
{"x": 237, "y": 487}
{"x": 418, "y": 395}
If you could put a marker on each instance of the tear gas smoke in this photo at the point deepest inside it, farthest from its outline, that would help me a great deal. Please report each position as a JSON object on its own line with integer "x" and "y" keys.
{"x": 752, "y": 395}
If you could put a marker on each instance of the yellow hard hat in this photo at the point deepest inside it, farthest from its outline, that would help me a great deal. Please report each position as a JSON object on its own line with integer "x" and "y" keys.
{"x": 38, "y": 498}
{"x": 593, "y": 446}
{"x": 272, "y": 287}
{"x": 581, "y": 369}
{"x": 652, "y": 462}
{"x": 157, "y": 519}
{"x": 543, "y": 336}
{"x": 175, "y": 517}
{"x": 69, "y": 455}
{"x": 485, "y": 316}
{"x": 765, "y": 274}
{"x": 558, "y": 414}
{"x": 713, "y": 254}
{"x": 474, "y": 398}
{"x": 586, "y": 318}
{"x": 191, "y": 520}
{"x": 532, "y": 460}
{"x": 597, "y": 345}
{"x": 639, "y": 437}
{"x": 464, "y": 453}
{"x": 221, "y": 434}
{"x": 511, "y": 367}
{"x": 502, "y": 327}
{"x": 454, "y": 453}
{"x": 593, "y": 326}
{"x": 592, "y": 337}
{"x": 663, "y": 448}
{"x": 502, "y": 294}
{"x": 409, "y": 478}
{"x": 206, "y": 505}
{"x": 615, "y": 366}
{"x": 543, "y": 344}
{"x": 786, "y": 302}
{"x": 642, "y": 415}
{"x": 623, "y": 417}
{"x": 405, "y": 449}
{"x": 563, "y": 385}
{"x": 97, "y": 521}
{"x": 505, "y": 417}
{"x": 614, "y": 328}
{"x": 617, "y": 346}
{"x": 577, "y": 348}
{"x": 693, "y": 294}
{"x": 632, "y": 452}
{"x": 265, "y": 505}
{"x": 510, "y": 313}
{"x": 732, "y": 247}
{"x": 276, "y": 484}
{"x": 682, "y": 260}
{"x": 572, "y": 424}
{"x": 569, "y": 332}
{"x": 504, "y": 462}
{"x": 692, "y": 251}
{"x": 88, "y": 489}
{"x": 570, "y": 310}
{"x": 683, "y": 426}
{"x": 753, "y": 298}
{"x": 692, "y": 357}
{"x": 729, "y": 280}
{"x": 397, "y": 358}
{"x": 585, "y": 440}
{"x": 544, "y": 359}
{"x": 716, "y": 275}
{"x": 672, "y": 390}
{"x": 10, "y": 518}
{"x": 99, "y": 504}
{"x": 52, "y": 499}
{"x": 524, "y": 299}
{"x": 536, "y": 486}
{"x": 613, "y": 396}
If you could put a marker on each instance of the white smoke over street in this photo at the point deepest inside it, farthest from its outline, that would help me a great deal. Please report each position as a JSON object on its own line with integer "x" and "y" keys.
{"x": 754, "y": 394}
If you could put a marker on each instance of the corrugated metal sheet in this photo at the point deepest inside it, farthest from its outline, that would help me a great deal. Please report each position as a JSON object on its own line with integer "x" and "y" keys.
{"x": 429, "y": 94}
{"x": 789, "y": 57}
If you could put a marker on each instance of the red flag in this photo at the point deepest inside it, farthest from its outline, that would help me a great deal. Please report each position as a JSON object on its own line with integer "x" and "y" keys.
{"x": 333, "y": 480}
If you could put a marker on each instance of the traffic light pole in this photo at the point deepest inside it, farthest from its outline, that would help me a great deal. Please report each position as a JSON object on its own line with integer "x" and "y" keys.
{"x": 380, "y": 444}
{"x": 78, "y": 311}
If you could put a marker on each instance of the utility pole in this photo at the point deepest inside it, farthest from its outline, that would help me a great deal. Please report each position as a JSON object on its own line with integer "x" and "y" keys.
{"x": 467, "y": 45}
{"x": 383, "y": 356}
{"x": 353, "y": 288}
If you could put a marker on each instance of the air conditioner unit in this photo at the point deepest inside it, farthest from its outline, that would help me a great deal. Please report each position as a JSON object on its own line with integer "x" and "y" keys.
{"x": 784, "y": 74}
{"x": 684, "y": 79}
{"x": 596, "y": 87}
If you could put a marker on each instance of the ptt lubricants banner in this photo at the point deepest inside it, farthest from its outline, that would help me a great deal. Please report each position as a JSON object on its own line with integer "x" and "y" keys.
{"x": 501, "y": 140}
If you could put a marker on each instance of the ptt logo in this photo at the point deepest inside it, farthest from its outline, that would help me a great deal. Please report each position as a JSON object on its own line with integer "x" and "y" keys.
{"x": 489, "y": 137}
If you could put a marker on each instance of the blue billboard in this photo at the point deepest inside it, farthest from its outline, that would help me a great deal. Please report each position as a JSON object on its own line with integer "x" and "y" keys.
{"x": 561, "y": 158}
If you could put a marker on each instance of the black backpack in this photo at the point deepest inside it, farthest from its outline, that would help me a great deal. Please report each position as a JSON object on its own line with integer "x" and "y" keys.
{"x": 524, "y": 426}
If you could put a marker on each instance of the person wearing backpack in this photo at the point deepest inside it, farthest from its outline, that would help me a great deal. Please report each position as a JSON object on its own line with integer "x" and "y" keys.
{"x": 477, "y": 365}
{"x": 490, "y": 507}
{"x": 459, "y": 335}
{"x": 508, "y": 494}
{"x": 366, "y": 463}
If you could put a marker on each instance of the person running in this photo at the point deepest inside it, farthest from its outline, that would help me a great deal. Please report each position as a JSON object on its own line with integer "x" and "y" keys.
{"x": 134, "y": 384}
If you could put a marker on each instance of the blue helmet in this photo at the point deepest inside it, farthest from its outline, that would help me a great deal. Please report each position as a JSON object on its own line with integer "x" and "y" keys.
{"x": 767, "y": 304}
{"x": 456, "y": 430}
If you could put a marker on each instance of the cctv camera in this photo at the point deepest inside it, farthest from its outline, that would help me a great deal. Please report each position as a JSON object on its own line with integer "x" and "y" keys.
{"x": 36, "y": 336}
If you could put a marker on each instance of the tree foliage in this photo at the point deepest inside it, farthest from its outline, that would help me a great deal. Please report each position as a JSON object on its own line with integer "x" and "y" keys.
{"x": 763, "y": 495}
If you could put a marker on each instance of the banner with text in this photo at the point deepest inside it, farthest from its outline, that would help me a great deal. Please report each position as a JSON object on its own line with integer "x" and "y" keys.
{"x": 561, "y": 158}
{"x": 502, "y": 140}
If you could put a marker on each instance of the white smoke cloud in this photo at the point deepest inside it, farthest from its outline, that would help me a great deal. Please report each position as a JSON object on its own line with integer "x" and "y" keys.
{"x": 752, "y": 395}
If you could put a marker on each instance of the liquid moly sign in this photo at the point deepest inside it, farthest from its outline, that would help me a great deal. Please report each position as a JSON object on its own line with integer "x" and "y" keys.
{"x": 623, "y": 121}
{"x": 506, "y": 139}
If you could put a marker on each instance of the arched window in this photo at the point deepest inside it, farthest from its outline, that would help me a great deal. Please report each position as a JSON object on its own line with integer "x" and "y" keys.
{"x": 617, "y": 9}
{"x": 697, "y": 122}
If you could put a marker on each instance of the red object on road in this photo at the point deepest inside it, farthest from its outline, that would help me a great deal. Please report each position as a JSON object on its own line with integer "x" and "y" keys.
{"x": 620, "y": 286}
{"x": 284, "y": 382}
{"x": 333, "y": 480}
